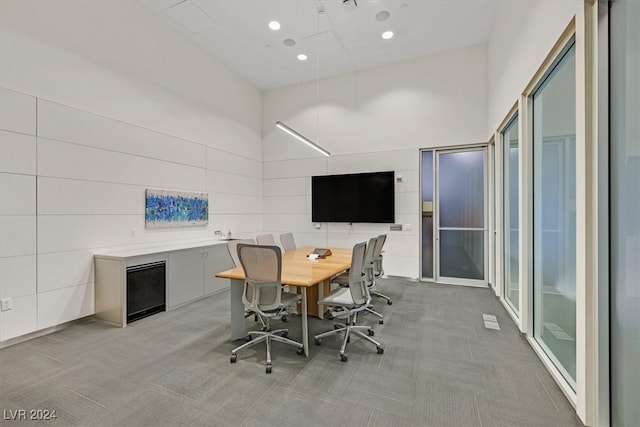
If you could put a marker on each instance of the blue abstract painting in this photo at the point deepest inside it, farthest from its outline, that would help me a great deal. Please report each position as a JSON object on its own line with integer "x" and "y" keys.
{"x": 175, "y": 208}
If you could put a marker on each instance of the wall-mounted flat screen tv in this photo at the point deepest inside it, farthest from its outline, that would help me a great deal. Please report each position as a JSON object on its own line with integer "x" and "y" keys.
{"x": 361, "y": 197}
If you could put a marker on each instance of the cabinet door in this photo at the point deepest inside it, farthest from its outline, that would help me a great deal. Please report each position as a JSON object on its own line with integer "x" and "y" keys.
{"x": 216, "y": 260}
{"x": 185, "y": 276}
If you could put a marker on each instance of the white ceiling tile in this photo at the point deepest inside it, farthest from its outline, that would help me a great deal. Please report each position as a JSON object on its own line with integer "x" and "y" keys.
{"x": 190, "y": 17}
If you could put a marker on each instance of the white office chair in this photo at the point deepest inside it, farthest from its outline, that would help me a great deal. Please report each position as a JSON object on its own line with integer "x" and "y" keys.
{"x": 368, "y": 270}
{"x": 288, "y": 242}
{"x": 378, "y": 270}
{"x": 263, "y": 293}
{"x": 232, "y": 246}
{"x": 266, "y": 239}
{"x": 352, "y": 299}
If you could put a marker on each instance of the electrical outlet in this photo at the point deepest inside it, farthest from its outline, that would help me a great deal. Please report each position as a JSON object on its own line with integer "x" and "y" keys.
{"x": 6, "y": 304}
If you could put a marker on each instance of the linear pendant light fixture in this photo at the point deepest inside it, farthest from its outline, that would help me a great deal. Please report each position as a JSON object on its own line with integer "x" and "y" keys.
{"x": 302, "y": 138}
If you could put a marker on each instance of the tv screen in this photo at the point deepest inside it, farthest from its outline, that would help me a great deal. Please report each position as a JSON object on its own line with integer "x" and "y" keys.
{"x": 362, "y": 197}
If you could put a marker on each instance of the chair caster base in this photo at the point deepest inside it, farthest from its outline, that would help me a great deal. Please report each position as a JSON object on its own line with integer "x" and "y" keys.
{"x": 300, "y": 350}
{"x": 234, "y": 358}
{"x": 343, "y": 358}
{"x": 380, "y": 350}
{"x": 268, "y": 369}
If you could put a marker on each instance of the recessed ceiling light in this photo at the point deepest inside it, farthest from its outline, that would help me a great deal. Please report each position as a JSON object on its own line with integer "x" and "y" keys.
{"x": 382, "y": 15}
{"x": 302, "y": 57}
{"x": 274, "y": 25}
{"x": 387, "y": 35}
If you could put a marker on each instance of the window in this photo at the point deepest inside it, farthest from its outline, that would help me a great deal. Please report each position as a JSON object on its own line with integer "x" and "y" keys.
{"x": 511, "y": 212}
{"x": 554, "y": 213}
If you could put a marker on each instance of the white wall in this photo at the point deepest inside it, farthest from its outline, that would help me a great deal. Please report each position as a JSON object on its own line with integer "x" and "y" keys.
{"x": 523, "y": 34}
{"x": 372, "y": 120}
{"x": 100, "y": 100}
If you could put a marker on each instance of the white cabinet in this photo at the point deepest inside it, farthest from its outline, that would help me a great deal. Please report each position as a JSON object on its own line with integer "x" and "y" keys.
{"x": 217, "y": 260}
{"x": 185, "y": 276}
{"x": 190, "y": 275}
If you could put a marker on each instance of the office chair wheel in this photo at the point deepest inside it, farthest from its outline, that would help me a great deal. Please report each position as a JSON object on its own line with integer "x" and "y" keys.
{"x": 285, "y": 334}
{"x": 381, "y": 322}
{"x": 370, "y": 332}
{"x": 234, "y": 358}
{"x": 283, "y": 318}
{"x": 389, "y": 302}
{"x": 318, "y": 341}
{"x": 268, "y": 369}
{"x": 380, "y": 350}
{"x": 248, "y": 338}
{"x": 300, "y": 350}
{"x": 337, "y": 326}
{"x": 343, "y": 358}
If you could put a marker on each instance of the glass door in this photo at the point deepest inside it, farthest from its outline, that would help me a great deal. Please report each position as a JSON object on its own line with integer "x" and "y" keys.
{"x": 460, "y": 217}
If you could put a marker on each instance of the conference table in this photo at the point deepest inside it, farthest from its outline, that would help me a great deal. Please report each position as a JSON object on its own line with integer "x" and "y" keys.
{"x": 310, "y": 276}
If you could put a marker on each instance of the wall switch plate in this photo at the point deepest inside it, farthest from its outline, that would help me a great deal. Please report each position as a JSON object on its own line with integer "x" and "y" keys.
{"x": 406, "y": 227}
{"x": 395, "y": 227}
{"x": 6, "y": 304}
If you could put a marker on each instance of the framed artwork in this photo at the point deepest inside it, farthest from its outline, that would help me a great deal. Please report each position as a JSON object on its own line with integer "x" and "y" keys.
{"x": 165, "y": 208}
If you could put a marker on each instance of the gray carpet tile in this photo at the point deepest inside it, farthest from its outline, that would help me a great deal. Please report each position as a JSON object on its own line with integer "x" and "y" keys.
{"x": 441, "y": 367}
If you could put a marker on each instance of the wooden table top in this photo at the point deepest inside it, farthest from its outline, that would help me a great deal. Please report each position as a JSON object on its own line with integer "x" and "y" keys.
{"x": 298, "y": 270}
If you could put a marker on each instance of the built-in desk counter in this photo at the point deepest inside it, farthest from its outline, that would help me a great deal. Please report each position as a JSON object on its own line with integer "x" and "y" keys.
{"x": 190, "y": 275}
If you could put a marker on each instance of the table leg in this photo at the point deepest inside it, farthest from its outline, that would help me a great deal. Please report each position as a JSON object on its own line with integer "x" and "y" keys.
{"x": 237, "y": 310}
{"x": 305, "y": 330}
{"x": 324, "y": 287}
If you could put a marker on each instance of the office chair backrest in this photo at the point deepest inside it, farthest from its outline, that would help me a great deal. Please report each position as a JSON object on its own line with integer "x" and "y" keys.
{"x": 288, "y": 243}
{"x": 232, "y": 246}
{"x": 262, "y": 266}
{"x": 367, "y": 267}
{"x": 357, "y": 284}
{"x": 266, "y": 239}
{"x": 377, "y": 255}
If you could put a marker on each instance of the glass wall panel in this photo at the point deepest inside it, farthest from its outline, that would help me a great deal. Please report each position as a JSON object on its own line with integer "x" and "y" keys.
{"x": 624, "y": 53}
{"x": 511, "y": 212}
{"x": 427, "y": 214}
{"x": 554, "y": 215}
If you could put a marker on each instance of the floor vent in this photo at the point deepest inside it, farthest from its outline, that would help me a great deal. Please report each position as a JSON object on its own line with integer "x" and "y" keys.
{"x": 490, "y": 321}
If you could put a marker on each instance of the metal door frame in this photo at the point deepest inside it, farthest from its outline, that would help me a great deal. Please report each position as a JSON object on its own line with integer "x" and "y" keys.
{"x": 436, "y": 216}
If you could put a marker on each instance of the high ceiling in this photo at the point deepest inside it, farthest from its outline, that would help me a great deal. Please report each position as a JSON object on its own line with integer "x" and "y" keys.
{"x": 338, "y": 37}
